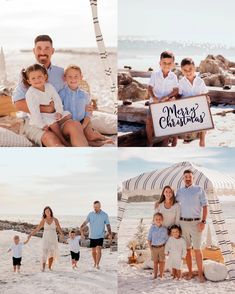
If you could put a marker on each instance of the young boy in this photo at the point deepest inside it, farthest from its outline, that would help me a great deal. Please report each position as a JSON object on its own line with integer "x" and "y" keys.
{"x": 74, "y": 246}
{"x": 157, "y": 237}
{"x": 192, "y": 85}
{"x": 75, "y": 101}
{"x": 16, "y": 250}
{"x": 163, "y": 86}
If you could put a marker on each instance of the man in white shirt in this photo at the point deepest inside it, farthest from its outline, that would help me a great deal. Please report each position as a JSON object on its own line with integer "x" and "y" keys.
{"x": 163, "y": 86}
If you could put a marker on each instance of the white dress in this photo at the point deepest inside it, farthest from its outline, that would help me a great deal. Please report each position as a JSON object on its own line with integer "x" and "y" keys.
{"x": 35, "y": 98}
{"x": 176, "y": 248}
{"x": 49, "y": 242}
{"x": 171, "y": 216}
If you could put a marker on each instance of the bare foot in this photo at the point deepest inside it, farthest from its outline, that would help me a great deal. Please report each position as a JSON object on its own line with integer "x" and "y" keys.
{"x": 189, "y": 276}
{"x": 98, "y": 267}
{"x": 201, "y": 279}
{"x": 153, "y": 278}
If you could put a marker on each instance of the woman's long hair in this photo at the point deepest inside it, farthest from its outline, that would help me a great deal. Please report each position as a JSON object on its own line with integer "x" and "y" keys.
{"x": 162, "y": 198}
{"x": 44, "y": 210}
{"x": 25, "y": 73}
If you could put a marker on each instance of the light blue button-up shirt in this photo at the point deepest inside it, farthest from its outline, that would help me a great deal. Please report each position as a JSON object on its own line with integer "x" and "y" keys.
{"x": 97, "y": 223}
{"x": 55, "y": 77}
{"x": 75, "y": 102}
{"x": 191, "y": 200}
{"x": 158, "y": 235}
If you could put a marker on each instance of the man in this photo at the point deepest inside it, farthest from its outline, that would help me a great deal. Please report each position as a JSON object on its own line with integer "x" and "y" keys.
{"x": 97, "y": 220}
{"x": 193, "y": 204}
{"x": 43, "y": 51}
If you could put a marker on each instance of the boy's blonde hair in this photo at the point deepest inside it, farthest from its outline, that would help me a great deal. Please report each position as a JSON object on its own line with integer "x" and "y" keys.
{"x": 72, "y": 66}
{"x": 158, "y": 214}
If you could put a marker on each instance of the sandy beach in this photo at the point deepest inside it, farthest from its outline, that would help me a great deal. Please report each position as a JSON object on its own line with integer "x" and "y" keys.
{"x": 63, "y": 279}
{"x": 133, "y": 279}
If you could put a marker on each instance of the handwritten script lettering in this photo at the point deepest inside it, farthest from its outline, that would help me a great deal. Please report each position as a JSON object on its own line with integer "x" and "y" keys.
{"x": 173, "y": 116}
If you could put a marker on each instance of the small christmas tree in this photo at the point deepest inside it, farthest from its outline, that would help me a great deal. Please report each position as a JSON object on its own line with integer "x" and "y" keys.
{"x": 141, "y": 236}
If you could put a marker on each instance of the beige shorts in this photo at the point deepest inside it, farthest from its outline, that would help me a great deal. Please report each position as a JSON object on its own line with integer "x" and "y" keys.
{"x": 158, "y": 254}
{"x": 33, "y": 133}
{"x": 191, "y": 234}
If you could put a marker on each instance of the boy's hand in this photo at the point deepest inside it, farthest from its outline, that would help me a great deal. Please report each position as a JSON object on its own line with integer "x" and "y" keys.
{"x": 208, "y": 99}
{"x": 89, "y": 108}
{"x": 58, "y": 115}
{"x": 155, "y": 99}
{"x": 46, "y": 128}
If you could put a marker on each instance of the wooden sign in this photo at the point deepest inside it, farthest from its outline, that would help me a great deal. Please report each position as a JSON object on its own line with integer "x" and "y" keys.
{"x": 185, "y": 115}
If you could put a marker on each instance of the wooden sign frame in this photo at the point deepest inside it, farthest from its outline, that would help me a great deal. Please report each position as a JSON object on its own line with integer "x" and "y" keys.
{"x": 185, "y": 111}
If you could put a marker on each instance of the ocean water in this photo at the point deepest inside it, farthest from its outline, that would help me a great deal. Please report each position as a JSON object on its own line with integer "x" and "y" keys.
{"x": 66, "y": 221}
{"x": 141, "y": 53}
{"x": 135, "y": 211}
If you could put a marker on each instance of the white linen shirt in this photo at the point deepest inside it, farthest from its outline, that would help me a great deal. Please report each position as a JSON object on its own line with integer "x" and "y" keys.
{"x": 188, "y": 89}
{"x": 16, "y": 250}
{"x": 35, "y": 98}
{"x": 162, "y": 86}
{"x": 74, "y": 244}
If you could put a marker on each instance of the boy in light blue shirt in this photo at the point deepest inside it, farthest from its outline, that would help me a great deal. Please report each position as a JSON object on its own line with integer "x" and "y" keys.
{"x": 75, "y": 101}
{"x": 157, "y": 237}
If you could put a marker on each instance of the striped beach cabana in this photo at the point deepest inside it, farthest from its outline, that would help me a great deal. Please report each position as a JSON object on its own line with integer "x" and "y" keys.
{"x": 213, "y": 182}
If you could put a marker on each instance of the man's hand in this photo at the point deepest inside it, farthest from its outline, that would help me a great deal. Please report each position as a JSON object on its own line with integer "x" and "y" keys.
{"x": 48, "y": 108}
{"x": 201, "y": 226}
{"x": 58, "y": 115}
{"x": 110, "y": 238}
{"x": 172, "y": 98}
{"x": 164, "y": 99}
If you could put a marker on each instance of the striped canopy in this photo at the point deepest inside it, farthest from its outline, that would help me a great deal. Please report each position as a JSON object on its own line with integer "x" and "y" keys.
{"x": 214, "y": 183}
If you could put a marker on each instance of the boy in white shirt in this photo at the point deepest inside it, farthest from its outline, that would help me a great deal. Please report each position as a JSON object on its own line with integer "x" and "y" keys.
{"x": 163, "y": 86}
{"x": 16, "y": 249}
{"x": 192, "y": 85}
{"x": 74, "y": 247}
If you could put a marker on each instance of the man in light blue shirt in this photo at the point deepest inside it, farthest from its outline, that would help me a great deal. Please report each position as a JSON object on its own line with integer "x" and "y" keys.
{"x": 193, "y": 205}
{"x": 97, "y": 220}
{"x": 43, "y": 51}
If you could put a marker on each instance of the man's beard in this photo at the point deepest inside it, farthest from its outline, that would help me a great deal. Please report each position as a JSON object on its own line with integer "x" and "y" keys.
{"x": 43, "y": 58}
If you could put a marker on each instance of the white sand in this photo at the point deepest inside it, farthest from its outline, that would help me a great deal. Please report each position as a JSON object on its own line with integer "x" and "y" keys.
{"x": 137, "y": 280}
{"x": 63, "y": 279}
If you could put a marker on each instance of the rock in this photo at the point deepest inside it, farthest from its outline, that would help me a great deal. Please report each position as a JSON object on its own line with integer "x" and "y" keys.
{"x": 128, "y": 88}
{"x": 216, "y": 65}
{"x": 215, "y": 271}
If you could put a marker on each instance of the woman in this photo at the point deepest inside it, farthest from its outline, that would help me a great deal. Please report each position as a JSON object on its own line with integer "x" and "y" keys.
{"x": 49, "y": 239}
{"x": 168, "y": 207}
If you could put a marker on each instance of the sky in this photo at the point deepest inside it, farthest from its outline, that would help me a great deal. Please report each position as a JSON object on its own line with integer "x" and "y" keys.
{"x": 69, "y": 23}
{"x": 134, "y": 161}
{"x": 182, "y": 20}
{"x": 69, "y": 180}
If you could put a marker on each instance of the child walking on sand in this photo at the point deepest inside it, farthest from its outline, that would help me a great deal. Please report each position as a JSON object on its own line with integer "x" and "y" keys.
{"x": 16, "y": 249}
{"x": 74, "y": 246}
{"x": 42, "y": 93}
{"x": 163, "y": 86}
{"x": 192, "y": 85}
{"x": 176, "y": 250}
{"x": 157, "y": 238}
{"x": 75, "y": 101}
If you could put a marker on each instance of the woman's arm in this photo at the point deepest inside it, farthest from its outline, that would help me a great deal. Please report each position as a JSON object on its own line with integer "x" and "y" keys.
{"x": 58, "y": 227}
{"x": 177, "y": 214}
{"x": 37, "y": 229}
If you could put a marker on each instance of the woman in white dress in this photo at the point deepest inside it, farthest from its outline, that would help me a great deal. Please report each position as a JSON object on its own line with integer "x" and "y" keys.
{"x": 49, "y": 239}
{"x": 168, "y": 207}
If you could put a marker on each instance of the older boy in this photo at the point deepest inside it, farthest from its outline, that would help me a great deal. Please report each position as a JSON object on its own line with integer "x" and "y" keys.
{"x": 163, "y": 86}
{"x": 192, "y": 85}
